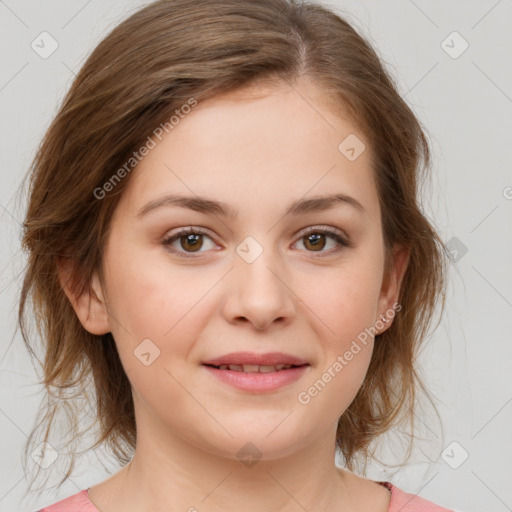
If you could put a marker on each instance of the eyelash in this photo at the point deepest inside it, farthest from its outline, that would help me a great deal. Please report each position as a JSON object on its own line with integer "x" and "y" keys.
{"x": 335, "y": 235}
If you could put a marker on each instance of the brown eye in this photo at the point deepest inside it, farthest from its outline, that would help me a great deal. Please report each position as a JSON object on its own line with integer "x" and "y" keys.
{"x": 316, "y": 239}
{"x": 190, "y": 240}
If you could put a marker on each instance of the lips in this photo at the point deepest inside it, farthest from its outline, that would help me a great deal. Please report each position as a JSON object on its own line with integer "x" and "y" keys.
{"x": 257, "y": 373}
{"x": 253, "y": 360}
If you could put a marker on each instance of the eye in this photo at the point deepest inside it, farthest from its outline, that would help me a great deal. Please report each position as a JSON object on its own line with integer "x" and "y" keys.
{"x": 190, "y": 239}
{"x": 314, "y": 239}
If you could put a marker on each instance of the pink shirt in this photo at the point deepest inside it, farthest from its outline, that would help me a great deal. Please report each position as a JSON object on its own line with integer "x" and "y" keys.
{"x": 400, "y": 502}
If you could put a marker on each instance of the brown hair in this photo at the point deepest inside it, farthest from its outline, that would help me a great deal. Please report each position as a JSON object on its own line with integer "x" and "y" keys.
{"x": 146, "y": 68}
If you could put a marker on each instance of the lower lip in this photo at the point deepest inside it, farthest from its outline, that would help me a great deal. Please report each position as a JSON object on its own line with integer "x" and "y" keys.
{"x": 258, "y": 381}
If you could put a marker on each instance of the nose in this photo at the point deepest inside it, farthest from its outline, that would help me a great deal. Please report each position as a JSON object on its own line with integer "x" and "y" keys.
{"x": 260, "y": 295}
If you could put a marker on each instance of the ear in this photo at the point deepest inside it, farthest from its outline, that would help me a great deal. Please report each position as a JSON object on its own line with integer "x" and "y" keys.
{"x": 89, "y": 305}
{"x": 391, "y": 283}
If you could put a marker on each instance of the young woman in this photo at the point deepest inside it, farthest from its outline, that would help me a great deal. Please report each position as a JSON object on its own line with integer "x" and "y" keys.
{"x": 225, "y": 239}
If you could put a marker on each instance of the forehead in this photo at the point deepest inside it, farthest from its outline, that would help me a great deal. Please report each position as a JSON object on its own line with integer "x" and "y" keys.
{"x": 257, "y": 147}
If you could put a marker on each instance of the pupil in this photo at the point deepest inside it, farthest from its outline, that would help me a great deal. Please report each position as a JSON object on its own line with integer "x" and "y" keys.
{"x": 193, "y": 240}
{"x": 316, "y": 240}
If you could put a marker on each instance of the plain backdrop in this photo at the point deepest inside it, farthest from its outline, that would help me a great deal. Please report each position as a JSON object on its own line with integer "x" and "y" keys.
{"x": 452, "y": 63}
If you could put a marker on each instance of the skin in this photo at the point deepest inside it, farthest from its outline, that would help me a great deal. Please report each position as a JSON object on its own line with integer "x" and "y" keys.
{"x": 257, "y": 150}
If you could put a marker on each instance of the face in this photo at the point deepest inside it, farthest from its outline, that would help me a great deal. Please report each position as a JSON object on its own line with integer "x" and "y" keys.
{"x": 262, "y": 268}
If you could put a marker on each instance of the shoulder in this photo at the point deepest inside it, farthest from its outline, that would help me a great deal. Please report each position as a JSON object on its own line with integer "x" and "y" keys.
{"x": 384, "y": 496}
{"x": 406, "y": 502}
{"x": 78, "y": 502}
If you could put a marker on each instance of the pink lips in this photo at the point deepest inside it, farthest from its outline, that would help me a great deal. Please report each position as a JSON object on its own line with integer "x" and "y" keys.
{"x": 256, "y": 381}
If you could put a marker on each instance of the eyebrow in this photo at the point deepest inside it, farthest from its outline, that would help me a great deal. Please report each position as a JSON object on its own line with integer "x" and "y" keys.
{"x": 205, "y": 205}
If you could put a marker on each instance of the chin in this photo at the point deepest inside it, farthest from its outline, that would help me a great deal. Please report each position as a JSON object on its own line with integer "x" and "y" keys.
{"x": 258, "y": 443}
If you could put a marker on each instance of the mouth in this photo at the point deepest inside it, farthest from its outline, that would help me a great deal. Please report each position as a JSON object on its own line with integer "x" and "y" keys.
{"x": 254, "y": 368}
{"x": 257, "y": 373}
{"x": 253, "y": 361}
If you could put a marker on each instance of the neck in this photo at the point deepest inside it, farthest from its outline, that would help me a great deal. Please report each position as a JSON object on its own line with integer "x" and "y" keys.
{"x": 175, "y": 475}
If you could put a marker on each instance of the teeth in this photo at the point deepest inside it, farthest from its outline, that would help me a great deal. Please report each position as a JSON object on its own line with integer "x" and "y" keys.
{"x": 250, "y": 368}
{"x": 254, "y": 368}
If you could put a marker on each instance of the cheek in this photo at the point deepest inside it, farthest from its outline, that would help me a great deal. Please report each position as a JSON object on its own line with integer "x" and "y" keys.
{"x": 156, "y": 302}
{"x": 348, "y": 309}
{"x": 345, "y": 305}
{"x": 344, "y": 300}
{"x": 162, "y": 315}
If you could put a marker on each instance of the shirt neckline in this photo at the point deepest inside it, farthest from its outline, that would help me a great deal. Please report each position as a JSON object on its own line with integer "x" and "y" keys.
{"x": 388, "y": 485}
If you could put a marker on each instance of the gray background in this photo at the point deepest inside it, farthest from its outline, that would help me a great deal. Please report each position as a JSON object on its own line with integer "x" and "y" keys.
{"x": 465, "y": 103}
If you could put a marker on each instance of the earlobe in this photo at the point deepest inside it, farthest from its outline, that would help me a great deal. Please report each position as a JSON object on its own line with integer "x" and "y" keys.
{"x": 390, "y": 290}
{"x": 89, "y": 303}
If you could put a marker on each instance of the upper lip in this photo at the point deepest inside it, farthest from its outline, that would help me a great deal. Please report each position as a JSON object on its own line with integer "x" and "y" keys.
{"x": 268, "y": 359}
